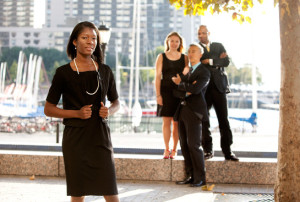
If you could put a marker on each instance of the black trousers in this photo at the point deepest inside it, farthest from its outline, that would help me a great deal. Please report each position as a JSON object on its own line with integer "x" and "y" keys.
{"x": 190, "y": 141}
{"x": 218, "y": 100}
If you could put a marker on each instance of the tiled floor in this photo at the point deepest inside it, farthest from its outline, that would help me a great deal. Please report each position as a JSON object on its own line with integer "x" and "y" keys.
{"x": 21, "y": 188}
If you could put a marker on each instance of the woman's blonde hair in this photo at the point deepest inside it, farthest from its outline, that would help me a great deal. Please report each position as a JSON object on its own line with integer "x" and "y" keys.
{"x": 180, "y": 48}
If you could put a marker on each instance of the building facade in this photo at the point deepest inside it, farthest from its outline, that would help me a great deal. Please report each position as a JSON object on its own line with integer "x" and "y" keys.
{"x": 16, "y": 13}
{"x": 157, "y": 19}
{"x": 37, "y": 38}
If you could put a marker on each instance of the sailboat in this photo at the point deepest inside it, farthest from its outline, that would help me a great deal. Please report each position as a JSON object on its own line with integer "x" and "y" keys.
{"x": 20, "y": 98}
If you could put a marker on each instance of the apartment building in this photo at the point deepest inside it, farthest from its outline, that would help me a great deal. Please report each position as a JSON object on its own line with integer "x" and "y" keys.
{"x": 157, "y": 19}
{"x": 16, "y": 13}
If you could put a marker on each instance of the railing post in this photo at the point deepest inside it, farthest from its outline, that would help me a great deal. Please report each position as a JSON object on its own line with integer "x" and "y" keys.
{"x": 57, "y": 132}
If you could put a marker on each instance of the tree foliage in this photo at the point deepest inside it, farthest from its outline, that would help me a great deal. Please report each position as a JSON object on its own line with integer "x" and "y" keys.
{"x": 52, "y": 58}
{"x": 242, "y": 75}
{"x": 152, "y": 55}
{"x": 238, "y": 8}
{"x": 12, "y": 71}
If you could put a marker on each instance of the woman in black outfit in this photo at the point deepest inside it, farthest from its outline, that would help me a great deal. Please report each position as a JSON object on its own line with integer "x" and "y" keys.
{"x": 168, "y": 64}
{"x": 84, "y": 83}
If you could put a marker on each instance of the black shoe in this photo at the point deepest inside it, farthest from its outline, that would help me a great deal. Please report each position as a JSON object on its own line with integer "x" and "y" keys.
{"x": 187, "y": 180}
{"x": 232, "y": 157}
{"x": 208, "y": 155}
{"x": 198, "y": 184}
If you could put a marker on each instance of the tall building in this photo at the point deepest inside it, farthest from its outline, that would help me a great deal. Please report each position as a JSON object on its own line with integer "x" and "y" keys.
{"x": 157, "y": 19}
{"x": 38, "y": 38}
{"x": 16, "y": 13}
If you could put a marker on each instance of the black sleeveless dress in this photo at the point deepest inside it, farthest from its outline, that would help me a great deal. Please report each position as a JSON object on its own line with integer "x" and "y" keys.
{"x": 169, "y": 69}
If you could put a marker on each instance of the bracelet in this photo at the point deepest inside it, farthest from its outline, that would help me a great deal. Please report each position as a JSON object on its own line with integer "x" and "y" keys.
{"x": 158, "y": 96}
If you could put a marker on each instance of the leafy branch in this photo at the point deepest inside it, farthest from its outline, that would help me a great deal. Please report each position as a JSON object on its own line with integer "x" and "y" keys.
{"x": 238, "y": 8}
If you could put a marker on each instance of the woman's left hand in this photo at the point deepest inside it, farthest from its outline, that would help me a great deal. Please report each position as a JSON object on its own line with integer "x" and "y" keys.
{"x": 104, "y": 111}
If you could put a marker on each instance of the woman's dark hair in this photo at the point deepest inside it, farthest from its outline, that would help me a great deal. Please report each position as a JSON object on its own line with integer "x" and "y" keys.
{"x": 71, "y": 51}
{"x": 180, "y": 48}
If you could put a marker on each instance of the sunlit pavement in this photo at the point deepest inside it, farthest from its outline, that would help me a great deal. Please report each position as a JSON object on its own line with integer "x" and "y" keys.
{"x": 21, "y": 188}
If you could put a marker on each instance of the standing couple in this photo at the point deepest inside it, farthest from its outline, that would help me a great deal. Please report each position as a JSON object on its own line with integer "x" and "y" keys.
{"x": 185, "y": 93}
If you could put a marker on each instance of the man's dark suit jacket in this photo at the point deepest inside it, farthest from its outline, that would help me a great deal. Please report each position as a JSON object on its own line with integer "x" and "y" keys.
{"x": 218, "y": 75}
{"x": 195, "y": 101}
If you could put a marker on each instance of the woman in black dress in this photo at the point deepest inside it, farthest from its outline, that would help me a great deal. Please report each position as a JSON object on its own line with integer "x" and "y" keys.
{"x": 168, "y": 64}
{"x": 84, "y": 83}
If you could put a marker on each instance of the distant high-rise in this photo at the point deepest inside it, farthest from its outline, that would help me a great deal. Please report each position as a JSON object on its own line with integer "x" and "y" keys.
{"x": 16, "y": 13}
{"x": 158, "y": 18}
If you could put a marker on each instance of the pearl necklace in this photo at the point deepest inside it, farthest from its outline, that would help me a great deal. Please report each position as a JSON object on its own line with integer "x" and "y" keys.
{"x": 97, "y": 76}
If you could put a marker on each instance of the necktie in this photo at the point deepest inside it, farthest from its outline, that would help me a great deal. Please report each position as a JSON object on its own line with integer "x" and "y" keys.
{"x": 207, "y": 47}
{"x": 190, "y": 72}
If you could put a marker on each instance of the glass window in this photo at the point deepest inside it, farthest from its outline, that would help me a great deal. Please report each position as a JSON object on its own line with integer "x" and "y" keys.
{"x": 59, "y": 41}
{"x": 26, "y": 34}
{"x": 36, "y": 42}
{"x": 88, "y": 12}
{"x": 91, "y": 18}
{"x": 36, "y": 34}
{"x": 26, "y": 41}
{"x": 58, "y": 34}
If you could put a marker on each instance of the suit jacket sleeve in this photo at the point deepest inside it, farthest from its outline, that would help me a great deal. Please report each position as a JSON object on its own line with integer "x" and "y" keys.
{"x": 202, "y": 81}
{"x": 220, "y": 62}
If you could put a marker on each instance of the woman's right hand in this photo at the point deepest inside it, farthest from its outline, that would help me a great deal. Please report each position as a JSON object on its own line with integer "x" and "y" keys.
{"x": 85, "y": 112}
{"x": 159, "y": 100}
{"x": 186, "y": 70}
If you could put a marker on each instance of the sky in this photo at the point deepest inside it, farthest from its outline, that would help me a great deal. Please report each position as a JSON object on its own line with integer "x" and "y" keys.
{"x": 257, "y": 43}
{"x": 39, "y": 13}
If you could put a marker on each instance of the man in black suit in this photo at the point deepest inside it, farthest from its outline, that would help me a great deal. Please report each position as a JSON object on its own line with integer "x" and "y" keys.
{"x": 191, "y": 111}
{"x": 215, "y": 59}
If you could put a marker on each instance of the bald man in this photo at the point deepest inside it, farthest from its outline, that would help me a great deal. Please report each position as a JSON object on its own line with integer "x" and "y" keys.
{"x": 215, "y": 59}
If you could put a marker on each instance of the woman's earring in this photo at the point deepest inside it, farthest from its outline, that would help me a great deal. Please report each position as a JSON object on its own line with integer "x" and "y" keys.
{"x": 75, "y": 47}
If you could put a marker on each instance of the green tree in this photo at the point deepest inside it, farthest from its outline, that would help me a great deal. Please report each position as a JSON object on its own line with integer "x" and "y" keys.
{"x": 10, "y": 55}
{"x": 50, "y": 57}
{"x": 110, "y": 60}
{"x": 13, "y": 71}
{"x": 123, "y": 60}
{"x": 147, "y": 75}
{"x": 55, "y": 66}
{"x": 242, "y": 75}
{"x": 152, "y": 55}
{"x": 232, "y": 74}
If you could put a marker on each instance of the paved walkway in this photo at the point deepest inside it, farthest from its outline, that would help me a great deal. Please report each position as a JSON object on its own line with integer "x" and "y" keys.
{"x": 44, "y": 189}
{"x": 21, "y": 188}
